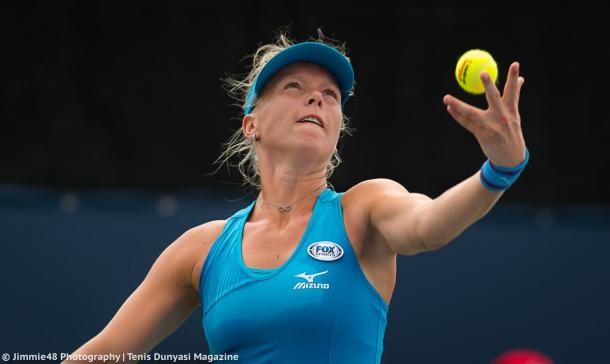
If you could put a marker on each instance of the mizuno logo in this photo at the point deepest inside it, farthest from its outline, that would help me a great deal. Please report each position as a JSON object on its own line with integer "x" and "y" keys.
{"x": 310, "y": 277}
{"x": 310, "y": 283}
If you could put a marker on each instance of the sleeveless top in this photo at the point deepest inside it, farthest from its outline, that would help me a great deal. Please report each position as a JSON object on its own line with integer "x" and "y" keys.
{"x": 317, "y": 307}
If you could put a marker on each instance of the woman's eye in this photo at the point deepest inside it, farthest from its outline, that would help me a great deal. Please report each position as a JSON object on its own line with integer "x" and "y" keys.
{"x": 332, "y": 93}
{"x": 297, "y": 85}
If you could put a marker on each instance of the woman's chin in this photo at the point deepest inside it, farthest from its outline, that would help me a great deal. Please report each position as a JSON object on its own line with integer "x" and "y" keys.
{"x": 310, "y": 144}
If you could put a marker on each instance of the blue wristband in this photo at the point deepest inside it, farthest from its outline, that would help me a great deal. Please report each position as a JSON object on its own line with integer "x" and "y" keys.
{"x": 498, "y": 178}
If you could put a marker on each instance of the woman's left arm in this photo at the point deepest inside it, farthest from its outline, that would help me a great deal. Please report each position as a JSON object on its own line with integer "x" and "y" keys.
{"x": 445, "y": 217}
{"x": 498, "y": 131}
{"x": 408, "y": 220}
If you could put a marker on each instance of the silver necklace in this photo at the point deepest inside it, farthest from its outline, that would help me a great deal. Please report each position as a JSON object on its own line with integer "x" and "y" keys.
{"x": 288, "y": 208}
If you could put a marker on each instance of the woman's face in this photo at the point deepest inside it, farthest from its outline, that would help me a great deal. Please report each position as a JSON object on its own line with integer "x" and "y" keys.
{"x": 296, "y": 91}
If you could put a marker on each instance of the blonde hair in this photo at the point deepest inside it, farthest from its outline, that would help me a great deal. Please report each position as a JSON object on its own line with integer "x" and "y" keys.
{"x": 244, "y": 148}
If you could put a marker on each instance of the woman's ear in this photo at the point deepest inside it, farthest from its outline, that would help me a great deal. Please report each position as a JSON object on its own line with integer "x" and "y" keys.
{"x": 248, "y": 125}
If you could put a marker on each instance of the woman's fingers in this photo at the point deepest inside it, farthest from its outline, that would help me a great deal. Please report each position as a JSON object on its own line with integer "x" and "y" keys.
{"x": 512, "y": 86}
{"x": 494, "y": 99}
{"x": 467, "y": 115}
{"x": 461, "y": 107}
{"x": 520, "y": 82}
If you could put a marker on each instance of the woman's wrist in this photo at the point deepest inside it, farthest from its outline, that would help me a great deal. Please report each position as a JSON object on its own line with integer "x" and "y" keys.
{"x": 497, "y": 178}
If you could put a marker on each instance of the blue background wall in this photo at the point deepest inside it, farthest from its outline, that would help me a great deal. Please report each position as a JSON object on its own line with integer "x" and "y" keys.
{"x": 524, "y": 276}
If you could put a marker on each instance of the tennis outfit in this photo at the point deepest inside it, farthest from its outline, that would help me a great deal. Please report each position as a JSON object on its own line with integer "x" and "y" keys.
{"x": 317, "y": 307}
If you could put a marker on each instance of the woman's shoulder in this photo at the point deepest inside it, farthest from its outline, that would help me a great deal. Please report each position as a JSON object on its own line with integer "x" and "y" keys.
{"x": 205, "y": 230}
{"x": 196, "y": 243}
{"x": 374, "y": 186}
{"x": 357, "y": 204}
{"x": 362, "y": 195}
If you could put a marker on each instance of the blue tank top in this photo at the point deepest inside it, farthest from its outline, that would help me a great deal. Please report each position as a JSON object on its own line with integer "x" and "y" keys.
{"x": 317, "y": 307}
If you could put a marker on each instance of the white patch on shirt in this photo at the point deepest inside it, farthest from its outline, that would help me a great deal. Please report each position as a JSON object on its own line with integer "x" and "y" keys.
{"x": 325, "y": 250}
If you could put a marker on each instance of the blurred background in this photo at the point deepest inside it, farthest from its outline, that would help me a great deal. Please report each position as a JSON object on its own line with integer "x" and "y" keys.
{"x": 113, "y": 113}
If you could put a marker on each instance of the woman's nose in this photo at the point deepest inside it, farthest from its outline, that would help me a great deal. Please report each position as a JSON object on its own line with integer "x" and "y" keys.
{"x": 315, "y": 98}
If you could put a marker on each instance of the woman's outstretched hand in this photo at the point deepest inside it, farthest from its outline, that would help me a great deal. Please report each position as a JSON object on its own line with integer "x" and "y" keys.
{"x": 498, "y": 128}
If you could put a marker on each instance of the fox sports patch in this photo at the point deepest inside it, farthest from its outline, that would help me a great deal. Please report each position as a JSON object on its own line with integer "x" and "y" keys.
{"x": 325, "y": 250}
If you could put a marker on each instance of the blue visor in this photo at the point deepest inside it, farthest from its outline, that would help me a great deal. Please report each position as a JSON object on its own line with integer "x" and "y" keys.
{"x": 328, "y": 57}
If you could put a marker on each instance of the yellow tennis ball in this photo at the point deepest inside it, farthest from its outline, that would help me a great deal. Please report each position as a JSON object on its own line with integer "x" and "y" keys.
{"x": 469, "y": 67}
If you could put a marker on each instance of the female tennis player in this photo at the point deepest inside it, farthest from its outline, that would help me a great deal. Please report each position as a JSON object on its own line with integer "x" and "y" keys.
{"x": 305, "y": 274}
